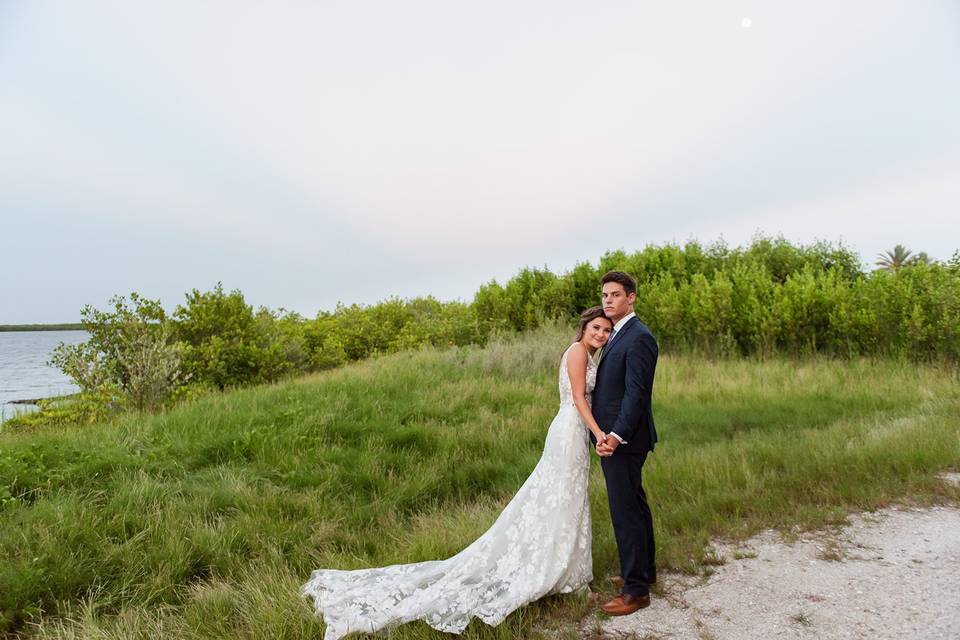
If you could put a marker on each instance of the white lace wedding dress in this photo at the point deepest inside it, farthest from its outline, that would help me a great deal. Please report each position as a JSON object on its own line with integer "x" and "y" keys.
{"x": 540, "y": 544}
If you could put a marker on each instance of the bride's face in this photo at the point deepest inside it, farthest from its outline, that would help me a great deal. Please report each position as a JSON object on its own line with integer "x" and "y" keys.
{"x": 596, "y": 333}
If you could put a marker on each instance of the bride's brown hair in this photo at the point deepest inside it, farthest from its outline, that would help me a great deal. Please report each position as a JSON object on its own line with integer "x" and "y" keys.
{"x": 586, "y": 317}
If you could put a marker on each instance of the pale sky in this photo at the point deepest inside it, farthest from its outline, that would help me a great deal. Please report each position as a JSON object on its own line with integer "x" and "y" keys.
{"x": 314, "y": 152}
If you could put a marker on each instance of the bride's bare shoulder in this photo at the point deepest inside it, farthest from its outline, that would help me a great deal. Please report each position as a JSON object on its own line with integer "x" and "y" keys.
{"x": 577, "y": 350}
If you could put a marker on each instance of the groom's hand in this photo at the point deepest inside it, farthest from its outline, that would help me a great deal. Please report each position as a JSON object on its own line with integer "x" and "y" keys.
{"x": 608, "y": 446}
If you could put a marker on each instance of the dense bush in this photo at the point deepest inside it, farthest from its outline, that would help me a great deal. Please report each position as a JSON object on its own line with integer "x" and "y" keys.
{"x": 356, "y": 332}
{"x": 769, "y": 297}
{"x": 226, "y": 343}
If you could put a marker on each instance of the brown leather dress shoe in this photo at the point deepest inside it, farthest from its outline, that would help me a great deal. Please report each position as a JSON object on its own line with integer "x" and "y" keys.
{"x": 625, "y": 603}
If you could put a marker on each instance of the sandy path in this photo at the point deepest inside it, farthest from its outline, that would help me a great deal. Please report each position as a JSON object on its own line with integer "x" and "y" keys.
{"x": 890, "y": 574}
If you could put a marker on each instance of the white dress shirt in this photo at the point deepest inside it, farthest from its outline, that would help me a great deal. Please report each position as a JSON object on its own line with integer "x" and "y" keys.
{"x": 622, "y": 321}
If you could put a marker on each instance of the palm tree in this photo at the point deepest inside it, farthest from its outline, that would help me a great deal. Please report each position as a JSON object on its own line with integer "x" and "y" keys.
{"x": 894, "y": 260}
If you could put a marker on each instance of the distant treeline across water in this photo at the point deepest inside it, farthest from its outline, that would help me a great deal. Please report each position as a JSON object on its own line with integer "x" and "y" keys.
{"x": 42, "y": 327}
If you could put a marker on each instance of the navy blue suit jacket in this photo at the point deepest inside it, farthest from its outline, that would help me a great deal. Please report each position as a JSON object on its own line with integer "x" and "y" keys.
{"x": 623, "y": 393}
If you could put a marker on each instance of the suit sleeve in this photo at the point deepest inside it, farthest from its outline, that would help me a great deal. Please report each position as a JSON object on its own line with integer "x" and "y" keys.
{"x": 641, "y": 362}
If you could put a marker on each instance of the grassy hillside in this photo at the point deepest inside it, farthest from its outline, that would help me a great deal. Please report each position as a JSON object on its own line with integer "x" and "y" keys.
{"x": 202, "y": 522}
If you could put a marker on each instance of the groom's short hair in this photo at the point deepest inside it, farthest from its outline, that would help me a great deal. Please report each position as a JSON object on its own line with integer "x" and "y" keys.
{"x": 629, "y": 284}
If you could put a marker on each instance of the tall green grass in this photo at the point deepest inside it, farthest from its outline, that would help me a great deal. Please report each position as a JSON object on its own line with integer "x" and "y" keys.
{"x": 202, "y": 522}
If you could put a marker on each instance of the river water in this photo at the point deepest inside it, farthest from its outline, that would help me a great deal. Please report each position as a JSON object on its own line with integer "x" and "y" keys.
{"x": 24, "y": 372}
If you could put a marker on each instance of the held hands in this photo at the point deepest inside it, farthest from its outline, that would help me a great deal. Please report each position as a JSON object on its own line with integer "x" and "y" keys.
{"x": 606, "y": 445}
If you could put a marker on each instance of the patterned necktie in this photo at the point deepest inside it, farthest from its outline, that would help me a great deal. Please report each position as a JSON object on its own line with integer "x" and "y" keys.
{"x": 603, "y": 351}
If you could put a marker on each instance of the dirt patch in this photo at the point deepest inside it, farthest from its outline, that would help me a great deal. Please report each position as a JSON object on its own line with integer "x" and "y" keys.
{"x": 890, "y": 574}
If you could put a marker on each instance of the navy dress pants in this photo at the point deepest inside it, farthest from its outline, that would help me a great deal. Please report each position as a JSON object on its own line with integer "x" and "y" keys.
{"x": 632, "y": 521}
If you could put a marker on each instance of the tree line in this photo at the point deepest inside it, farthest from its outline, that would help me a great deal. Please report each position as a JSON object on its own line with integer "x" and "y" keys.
{"x": 768, "y": 298}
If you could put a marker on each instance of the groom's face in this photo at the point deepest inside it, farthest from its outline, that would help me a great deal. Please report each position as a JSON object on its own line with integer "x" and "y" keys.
{"x": 616, "y": 302}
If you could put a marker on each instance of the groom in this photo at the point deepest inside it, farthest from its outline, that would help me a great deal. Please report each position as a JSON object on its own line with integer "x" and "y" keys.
{"x": 622, "y": 407}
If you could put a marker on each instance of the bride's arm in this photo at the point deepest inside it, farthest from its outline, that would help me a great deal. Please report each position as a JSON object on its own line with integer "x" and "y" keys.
{"x": 577, "y": 370}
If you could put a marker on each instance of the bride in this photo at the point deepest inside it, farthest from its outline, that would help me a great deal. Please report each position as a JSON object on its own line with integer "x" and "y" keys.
{"x": 539, "y": 545}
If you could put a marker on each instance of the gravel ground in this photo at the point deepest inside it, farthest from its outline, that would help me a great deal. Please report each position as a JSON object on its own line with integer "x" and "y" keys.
{"x": 893, "y": 573}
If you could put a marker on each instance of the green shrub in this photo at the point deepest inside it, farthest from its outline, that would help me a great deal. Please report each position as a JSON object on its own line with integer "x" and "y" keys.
{"x": 131, "y": 350}
{"x": 227, "y": 344}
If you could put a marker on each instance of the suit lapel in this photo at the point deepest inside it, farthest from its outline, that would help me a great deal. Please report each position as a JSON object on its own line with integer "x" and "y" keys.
{"x": 616, "y": 339}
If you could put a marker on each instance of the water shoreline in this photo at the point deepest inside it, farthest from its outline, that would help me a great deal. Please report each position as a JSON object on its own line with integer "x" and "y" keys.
{"x": 27, "y": 379}
{"x": 37, "y": 401}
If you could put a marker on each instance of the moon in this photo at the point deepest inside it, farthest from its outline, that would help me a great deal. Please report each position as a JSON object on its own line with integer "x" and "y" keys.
{"x": 746, "y": 23}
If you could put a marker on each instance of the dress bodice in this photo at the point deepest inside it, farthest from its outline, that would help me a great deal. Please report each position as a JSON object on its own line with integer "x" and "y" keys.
{"x": 566, "y": 391}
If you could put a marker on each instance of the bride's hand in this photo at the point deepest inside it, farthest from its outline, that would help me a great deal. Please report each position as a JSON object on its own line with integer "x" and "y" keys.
{"x": 601, "y": 439}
